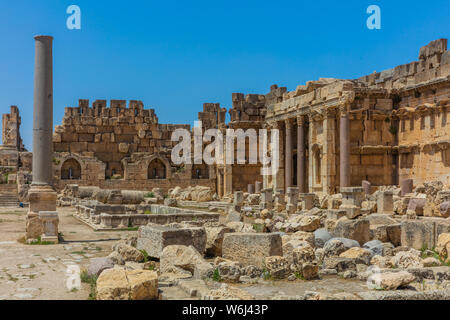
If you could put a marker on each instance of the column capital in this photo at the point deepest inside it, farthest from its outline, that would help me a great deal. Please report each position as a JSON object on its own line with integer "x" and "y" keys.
{"x": 301, "y": 120}
{"x": 288, "y": 123}
{"x": 344, "y": 109}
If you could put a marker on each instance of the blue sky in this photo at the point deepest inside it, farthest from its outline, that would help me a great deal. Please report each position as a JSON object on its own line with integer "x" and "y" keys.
{"x": 176, "y": 55}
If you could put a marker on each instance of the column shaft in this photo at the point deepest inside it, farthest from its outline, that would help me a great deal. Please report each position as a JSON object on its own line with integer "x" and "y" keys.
{"x": 288, "y": 155}
{"x": 344, "y": 142}
{"x": 300, "y": 155}
{"x": 43, "y": 112}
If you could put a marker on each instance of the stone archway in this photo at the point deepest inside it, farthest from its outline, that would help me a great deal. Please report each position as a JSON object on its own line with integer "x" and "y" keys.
{"x": 71, "y": 170}
{"x": 156, "y": 169}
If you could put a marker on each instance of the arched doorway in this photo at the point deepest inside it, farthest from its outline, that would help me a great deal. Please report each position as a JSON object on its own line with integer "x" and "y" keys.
{"x": 71, "y": 170}
{"x": 156, "y": 170}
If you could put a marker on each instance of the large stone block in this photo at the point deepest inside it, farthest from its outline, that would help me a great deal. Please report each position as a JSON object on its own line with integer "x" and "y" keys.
{"x": 418, "y": 234}
{"x": 214, "y": 239}
{"x": 251, "y": 248}
{"x": 154, "y": 238}
{"x": 358, "y": 230}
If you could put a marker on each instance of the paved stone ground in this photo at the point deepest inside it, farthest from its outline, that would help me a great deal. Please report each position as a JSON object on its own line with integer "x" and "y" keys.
{"x": 38, "y": 272}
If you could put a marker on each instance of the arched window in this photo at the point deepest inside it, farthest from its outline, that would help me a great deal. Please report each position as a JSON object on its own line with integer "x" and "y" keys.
{"x": 71, "y": 170}
{"x": 156, "y": 170}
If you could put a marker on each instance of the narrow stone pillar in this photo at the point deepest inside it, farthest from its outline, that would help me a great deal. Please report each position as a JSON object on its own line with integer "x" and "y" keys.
{"x": 292, "y": 200}
{"x": 258, "y": 187}
{"x": 280, "y": 203}
{"x": 385, "y": 202}
{"x": 41, "y": 195}
{"x": 251, "y": 188}
{"x": 301, "y": 154}
{"x": 266, "y": 199}
{"x": 366, "y": 185}
{"x": 344, "y": 142}
{"x": 288, "y": 154}
{"x": 406, "y": 187}
{"x": 43, "y": 112}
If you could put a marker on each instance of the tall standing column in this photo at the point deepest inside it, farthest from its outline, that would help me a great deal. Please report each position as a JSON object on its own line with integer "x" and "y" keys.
{"x": 344, "y": 143}
{"x": 43, "y": 112}
{"x": 300, "y": 154}
{"x": 41, "y": 195}
{"x": 288, "y": 154}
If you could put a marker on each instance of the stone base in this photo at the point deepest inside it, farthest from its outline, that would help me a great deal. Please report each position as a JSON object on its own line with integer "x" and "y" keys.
{"x": 41, "y": 198}
{"x": 52, "y": 239}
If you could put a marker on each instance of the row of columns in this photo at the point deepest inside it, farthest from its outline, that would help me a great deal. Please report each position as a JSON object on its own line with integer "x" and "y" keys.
{"x": 344, "y": 153}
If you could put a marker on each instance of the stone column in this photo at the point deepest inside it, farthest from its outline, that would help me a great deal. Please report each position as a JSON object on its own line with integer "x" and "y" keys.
{"x": 288, "y": 154}
{"x": 300, "y": 154}
{"x": 344, "y": 142}
{"x": 43, "y": 112}
{"x": 251, "y": 188}
{"x": 41, "y": 195}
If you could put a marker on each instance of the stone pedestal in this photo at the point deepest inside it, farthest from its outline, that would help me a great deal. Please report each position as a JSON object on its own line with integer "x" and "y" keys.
{"x": 366, "y": 185}
{"x": 258, "y": 187}
{"x": 292, "y": 200}
{"x": 352, "y": 198}
{"x": 385, "y": 202}
{"x": 238, "y": 201}
{"x": 266, "y": 199}
{"x": 307, "y": 200}
{"x": 280, "y": 203}
{"x": 41, "y": 198}
{"x": 406, "y": 187}
{"x": 50, "y": 222}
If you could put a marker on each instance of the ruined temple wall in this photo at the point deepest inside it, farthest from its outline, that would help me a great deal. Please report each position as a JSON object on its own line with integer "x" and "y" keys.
{"x": 112, "y": 134}
{"x": 433, "y": 63}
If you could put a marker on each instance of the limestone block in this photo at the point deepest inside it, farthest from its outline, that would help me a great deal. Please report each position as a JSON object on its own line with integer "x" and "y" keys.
{"x": 251, "y": 248}
{"x": 418, "y": 234}
{"x": 385, "y": 202}
{"x": 120, "y": 284}
{"x": 154, "y": 238}
{"x": 186, "y": 258}
{"x": 358, "y": 230}
{"x": 214, "y": 239}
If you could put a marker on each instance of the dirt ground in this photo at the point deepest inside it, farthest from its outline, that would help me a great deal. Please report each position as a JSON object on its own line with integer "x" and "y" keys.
{"x": 40, "y": 272}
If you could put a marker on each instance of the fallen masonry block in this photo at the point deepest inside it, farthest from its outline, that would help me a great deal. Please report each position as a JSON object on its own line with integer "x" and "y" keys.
{"x": 385, "y": 202}
{"x": 251, "y": 248}
{"x": 154, "y": 238}
{"x": 186, "y": 258}
{"x": 419, "y": 234}
{"x": 119, "y": 284}
{"x": 358, "y": 230}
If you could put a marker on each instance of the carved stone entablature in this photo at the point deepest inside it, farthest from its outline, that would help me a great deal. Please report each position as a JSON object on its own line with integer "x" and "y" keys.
{"x": 436, "y": 146}
{"x": 408, "y": 148}
{"x": 380, "y": 149}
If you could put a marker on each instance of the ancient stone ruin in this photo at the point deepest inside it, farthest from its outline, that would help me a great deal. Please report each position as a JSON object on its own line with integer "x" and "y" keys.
{"x": 362, "y": 193}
